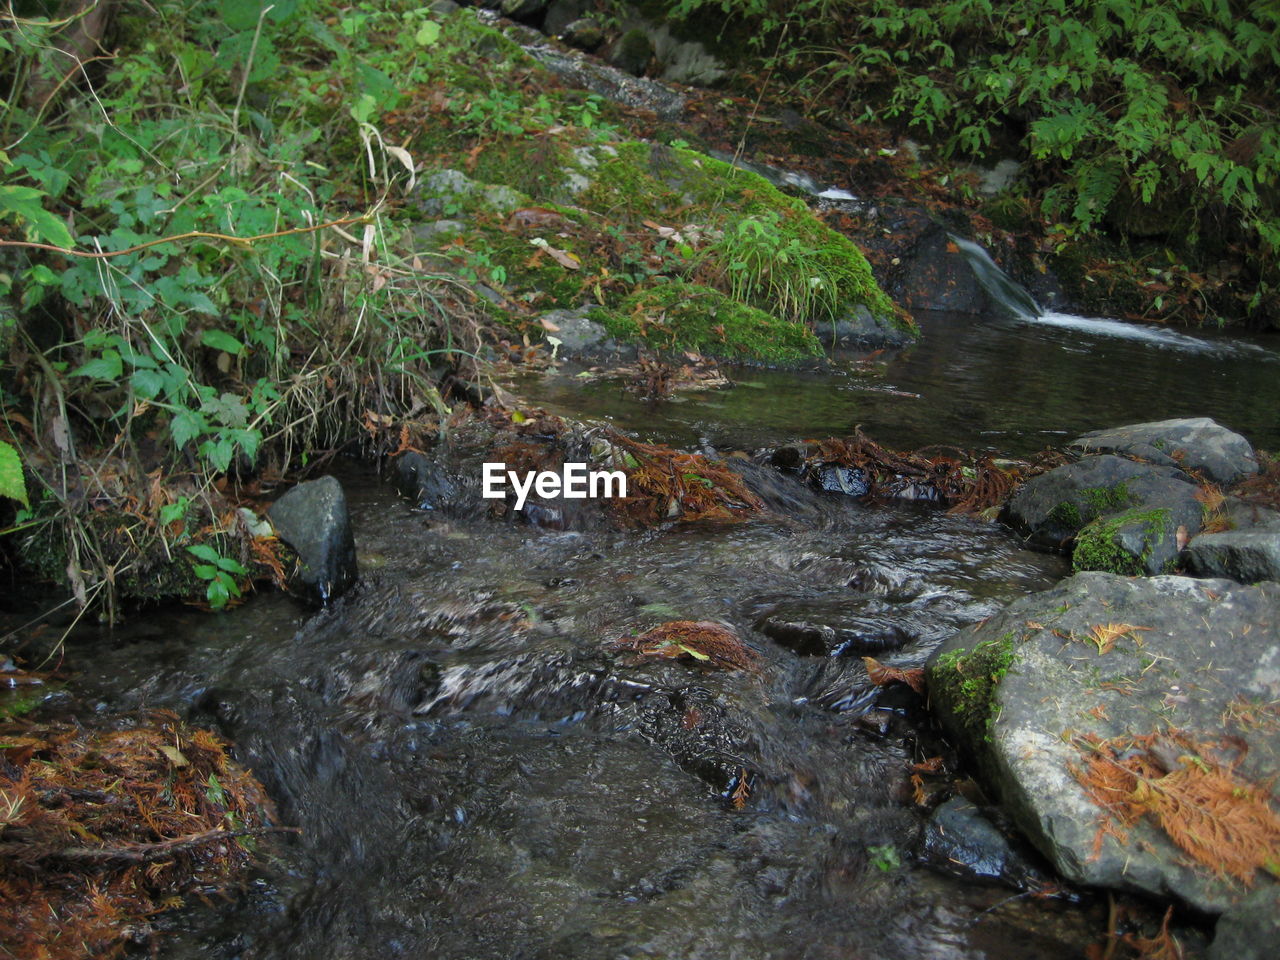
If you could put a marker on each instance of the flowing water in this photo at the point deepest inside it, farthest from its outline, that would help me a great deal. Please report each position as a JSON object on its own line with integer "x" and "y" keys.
{"x": 478, "y": 775}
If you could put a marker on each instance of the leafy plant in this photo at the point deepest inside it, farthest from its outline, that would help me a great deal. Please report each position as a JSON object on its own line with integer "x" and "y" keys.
{"x": 220, "y": 573}
{"x": 12, "y": 484}
{"x": 885, "y": 857}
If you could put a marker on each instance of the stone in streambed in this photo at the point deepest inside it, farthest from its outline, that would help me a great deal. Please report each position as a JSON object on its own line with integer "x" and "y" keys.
{"x": 1113, "y": 657}
{"x": 312, "y": 518}
{"x": 1197, "y": 443}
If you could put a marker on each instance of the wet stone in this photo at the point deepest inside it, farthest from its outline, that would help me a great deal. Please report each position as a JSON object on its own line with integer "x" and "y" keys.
{"x": 961, "y": 839}
{"x": 1197, "y": 443}
{"x": 312, "y": 518}
{"x": 836, "y": 478}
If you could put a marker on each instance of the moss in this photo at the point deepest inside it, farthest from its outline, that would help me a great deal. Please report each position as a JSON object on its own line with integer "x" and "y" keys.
{"x": 534, "y": 165}
{"x": 970, "y": 679}
{"x": 1066, "y": 514}
{"x": 1107, "y": 499}
{"x": 1098, "y": 545}
{"x": 645, "y": 181}
{"x": 688, "y": 316}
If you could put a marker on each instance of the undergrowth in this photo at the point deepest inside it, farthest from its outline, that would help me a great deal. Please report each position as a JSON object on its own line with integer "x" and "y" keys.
{"x": 1152, "y": 118}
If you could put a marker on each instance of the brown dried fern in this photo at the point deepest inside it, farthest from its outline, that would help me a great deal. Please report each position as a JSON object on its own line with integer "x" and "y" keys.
{"x": 1219, "y": 819}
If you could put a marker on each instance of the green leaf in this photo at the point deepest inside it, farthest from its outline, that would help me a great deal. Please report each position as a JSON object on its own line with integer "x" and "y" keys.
{"x": 202, "y": 551}
{"x": 105, "y": 367}
{"x": 696, "y": 654}
{"x": 232, "y": 566}
{"x": 222, "y": 341}
{"x": 44, "y": 226}
{"x": 205, "y": 571}
{"x": 427, "y": 34}
{"x": 214, "y": 792}
{"x": 171, "y": 512}
{"x": 217, "y": 594}
{"x": 147, "y": 383}
{"x": 12, "y": 484}
{"x": 186, "y": 426}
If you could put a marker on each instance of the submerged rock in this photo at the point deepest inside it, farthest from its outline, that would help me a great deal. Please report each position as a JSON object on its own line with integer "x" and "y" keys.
{"x": 1178, "y": 674}
{"x": 1198, "y": 443}
{"x": 312, "y": 518}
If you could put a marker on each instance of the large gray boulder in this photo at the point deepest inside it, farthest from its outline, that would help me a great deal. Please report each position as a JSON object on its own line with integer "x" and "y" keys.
{"x": 312, "y": 518}
{"x": 1246, "y": 556}
{"x": 1147, "y": 665}
{"x": 1198, "y": 443}
{"x": 1121, "y": 515}
{"x": 1249, "y": 930}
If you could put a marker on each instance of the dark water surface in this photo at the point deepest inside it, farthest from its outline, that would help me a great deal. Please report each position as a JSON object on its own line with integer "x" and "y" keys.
{"x": 478, "y": 775}
{"x": 1009, "y": 385}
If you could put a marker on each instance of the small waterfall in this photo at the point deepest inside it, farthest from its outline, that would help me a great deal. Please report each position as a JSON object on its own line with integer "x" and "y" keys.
{"x": 996, "y": 282}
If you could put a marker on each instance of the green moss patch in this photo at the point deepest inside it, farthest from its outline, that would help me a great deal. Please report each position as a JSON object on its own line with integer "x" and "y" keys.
{"x": 688, "y": 316}
{"x": 1099, "y": 545}
{"x": 969, "y": 679}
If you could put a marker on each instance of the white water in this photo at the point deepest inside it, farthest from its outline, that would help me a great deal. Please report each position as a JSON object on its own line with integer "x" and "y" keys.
{"x": 1159, "y": 336}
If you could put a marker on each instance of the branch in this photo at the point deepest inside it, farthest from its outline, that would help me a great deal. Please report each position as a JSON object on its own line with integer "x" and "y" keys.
{"x": 135, "y": 852}
{"x": 191, "y": 235}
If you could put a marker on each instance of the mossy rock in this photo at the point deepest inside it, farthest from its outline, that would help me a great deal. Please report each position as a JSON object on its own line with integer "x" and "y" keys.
{"x": 687, "y": 316}
{"x": 1132, "y": 543}
{"x": 1104, "y": 666}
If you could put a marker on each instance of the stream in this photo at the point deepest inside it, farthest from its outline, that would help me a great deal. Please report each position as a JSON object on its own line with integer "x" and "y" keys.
{"x": 476, "y": 774}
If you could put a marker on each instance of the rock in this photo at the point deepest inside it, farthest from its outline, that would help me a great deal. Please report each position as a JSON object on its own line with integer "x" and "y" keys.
{"x": 960, "y": 839}
{"x": 428, "y": 232}
{"x": 312, "y": 518}
{"x": 1245, "y": 556}
{"x": 443, "y": 8}
{"x": 1249, "y": 930}
{"x": 578, "y": 70}
{"x": 585, "y": 34}
{"x": 577, "y": 332}
{"x": 424, "y": 482}
{"x": 814, "y": 628}
{"x": 837, "y": 478}
{"x": 1054, "y": 507}
{"x": 503, "y": 199}
{"x": 685, "y": 61}
{"x": 1110, "y": 657}
{"x": 859, "y": 328}
{"x": 440, "y": 190}
{"x": 1191, "y": 444}
{"x": 561, "y": 13}
{"x": 632, "y": 52}
{"x": 1137, "y": 541}
{"x": 936, "y": 276}
{"x": 524, "y": 10}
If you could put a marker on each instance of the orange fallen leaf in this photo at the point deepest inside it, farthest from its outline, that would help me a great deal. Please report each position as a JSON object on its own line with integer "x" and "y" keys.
{"x": 881, "y": 675}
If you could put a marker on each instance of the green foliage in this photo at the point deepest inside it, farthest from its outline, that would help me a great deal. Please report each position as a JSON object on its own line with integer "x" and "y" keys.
{"x": 219, "y": 572}
{"x": 885, "y": 857}
{"x": 11, "y": 483}
{"x": 969, "y": 679}
{"x": 215, "y": 118}
{"x": 768, "y": 265}
{"x": 1120, "y": 105}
